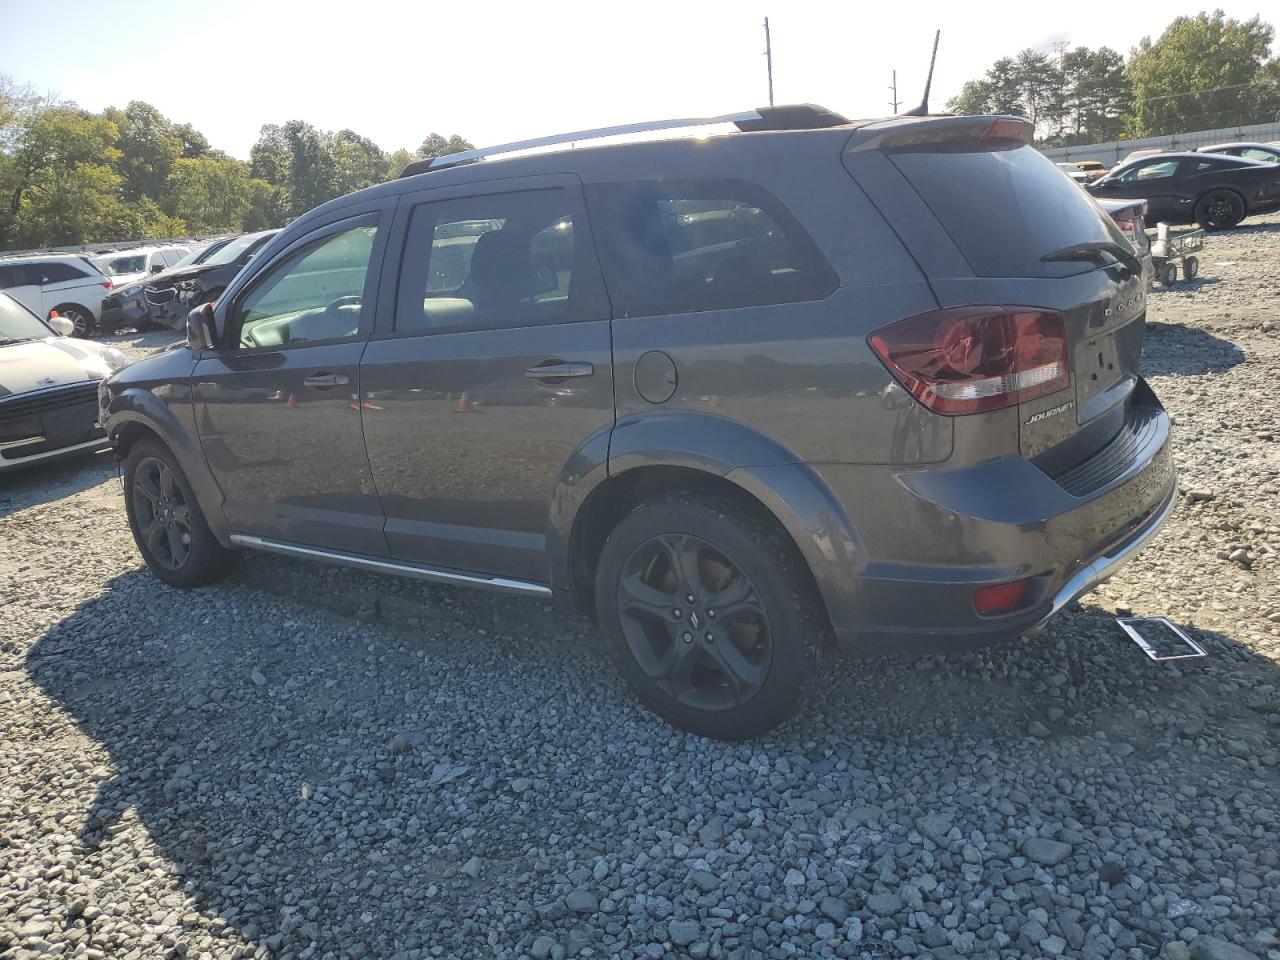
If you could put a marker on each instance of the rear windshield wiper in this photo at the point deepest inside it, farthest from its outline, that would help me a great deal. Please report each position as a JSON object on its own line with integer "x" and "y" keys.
{"x": 1090, "y": 250}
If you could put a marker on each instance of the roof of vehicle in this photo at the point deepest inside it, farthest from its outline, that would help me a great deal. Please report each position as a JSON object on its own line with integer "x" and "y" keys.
{"x": 1231, "y": 146}
{"x": 1189, "y": 155}
{"x": 76, "y": 258}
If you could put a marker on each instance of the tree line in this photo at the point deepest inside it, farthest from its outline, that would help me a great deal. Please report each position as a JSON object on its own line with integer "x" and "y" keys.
{"x": 1203, "y": 72}
{"x": 71, "y": 176}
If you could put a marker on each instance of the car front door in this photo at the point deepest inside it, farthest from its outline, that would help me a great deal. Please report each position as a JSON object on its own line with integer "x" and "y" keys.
{"x": 277, "y": 406}
{"x": 493, "y": 369}
{"x": 1152, "y": 180}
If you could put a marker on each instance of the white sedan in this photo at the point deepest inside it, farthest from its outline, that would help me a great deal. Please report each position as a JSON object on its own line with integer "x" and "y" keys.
{"x": 48, "y": 387}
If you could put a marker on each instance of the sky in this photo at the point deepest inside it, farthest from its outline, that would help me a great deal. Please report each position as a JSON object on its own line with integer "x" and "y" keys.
{"x": 495, "y": 72}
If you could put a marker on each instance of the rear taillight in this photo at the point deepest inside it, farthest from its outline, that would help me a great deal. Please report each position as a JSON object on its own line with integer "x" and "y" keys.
{"x": 106, "y": 284}
{"x": 1001, "y": 598}
{"x": 1129, "y": 229}
{"x": 972, "y": 359}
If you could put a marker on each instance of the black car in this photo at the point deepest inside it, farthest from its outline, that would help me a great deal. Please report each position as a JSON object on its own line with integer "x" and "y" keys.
{"x": 127, "y": 307}
{"x": 171, "y": 298}
{"x": 1212, "y": 190}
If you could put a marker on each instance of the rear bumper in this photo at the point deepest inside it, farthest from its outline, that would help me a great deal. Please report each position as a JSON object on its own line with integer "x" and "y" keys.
{"x": 936, "y": 536}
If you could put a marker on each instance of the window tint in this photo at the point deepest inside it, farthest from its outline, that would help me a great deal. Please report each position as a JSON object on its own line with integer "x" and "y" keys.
{"x": 1156, "y": 170}
{"x": 501, "y": 260}
{"x": 313, "y": 294}
{"x": 17, "y": 275}
{"x": 1253, "y": 153}
{"x": 1006, "y": 209}
{"x": 60, "y": 273}
{"x": 681, "y": 246}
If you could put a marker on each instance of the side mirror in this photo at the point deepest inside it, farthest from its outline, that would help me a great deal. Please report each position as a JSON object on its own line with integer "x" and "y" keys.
{"x": 62, "y": 326}
{"x": 202, "y": 333}
{"x": 157, "y": 268}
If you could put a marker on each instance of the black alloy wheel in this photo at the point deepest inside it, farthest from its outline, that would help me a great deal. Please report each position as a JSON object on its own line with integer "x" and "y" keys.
{"x": 694, "y": 622}
{"x": 162, "y": 512}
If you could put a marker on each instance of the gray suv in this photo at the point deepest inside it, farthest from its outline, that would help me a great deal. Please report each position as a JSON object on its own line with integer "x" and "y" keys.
{"x": 809, "y": 383}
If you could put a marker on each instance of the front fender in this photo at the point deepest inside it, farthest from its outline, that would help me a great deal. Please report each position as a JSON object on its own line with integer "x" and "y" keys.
{"x": 157, "y": 410}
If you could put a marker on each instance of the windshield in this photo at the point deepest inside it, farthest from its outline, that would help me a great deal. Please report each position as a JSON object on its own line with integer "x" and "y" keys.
{"x": 232, "y": 251}
{"x": 18, "y": 323}
{"x": 115, "y": 266}
{"x": 200, "y": 256}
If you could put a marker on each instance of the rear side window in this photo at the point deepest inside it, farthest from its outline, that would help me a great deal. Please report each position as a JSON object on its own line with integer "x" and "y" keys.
{"x": 683, "y": 246}
{"x": 60, "y": 273}
{"x": 1006, "y": 209}
{"x": 17, "y": 275}
{"x": 496, "y": 260}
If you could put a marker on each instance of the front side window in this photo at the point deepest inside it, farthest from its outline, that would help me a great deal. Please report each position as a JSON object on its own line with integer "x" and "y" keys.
{"x": 499, "y": 260}
{"x": 315, "y": 293}
{"x": 1160, "y": 170}
{"x": 682, "y": 246}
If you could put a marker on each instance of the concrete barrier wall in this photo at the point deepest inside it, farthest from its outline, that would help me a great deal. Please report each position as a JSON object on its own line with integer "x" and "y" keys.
{"x": 1112, "y": 153}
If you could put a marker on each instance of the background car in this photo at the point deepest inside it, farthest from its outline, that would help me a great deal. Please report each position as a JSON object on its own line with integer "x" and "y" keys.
{"x": 126, "y": 266}
{"x": 171, "y": 299}
{"x": 1092, "y": 169}
{"x": 48, "y": 387}
{"x": 1214, "y": 191}
{"x": 1266, "y": 152}
{"x": 66, "y": 283}
{"x": 1074, "y": 172}
{"x": 126, "y": 305}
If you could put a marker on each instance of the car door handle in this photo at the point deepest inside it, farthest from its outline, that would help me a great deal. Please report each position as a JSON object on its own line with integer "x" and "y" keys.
{"x": 323, "y": 381}
{"x": 559, "y": 370}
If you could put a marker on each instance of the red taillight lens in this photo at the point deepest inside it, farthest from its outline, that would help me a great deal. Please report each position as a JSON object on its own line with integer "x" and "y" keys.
{"x": 1000, "y": 598}
{"x": 972, "y": 359}
{"x": 106, "y": 284}
{"x": 1128, "y": 228}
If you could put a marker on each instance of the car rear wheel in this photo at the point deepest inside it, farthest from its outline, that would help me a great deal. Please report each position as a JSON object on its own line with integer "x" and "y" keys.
{"x": 166, "y": 520}
{"x": 1220, "y": 210}
{"x": 708, "y": 614}
{"x": 81, "y": 319}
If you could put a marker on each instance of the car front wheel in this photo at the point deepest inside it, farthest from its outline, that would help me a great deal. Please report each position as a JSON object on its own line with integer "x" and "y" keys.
{"x": 166, "y": 520}
{"x": 708, "y": 614}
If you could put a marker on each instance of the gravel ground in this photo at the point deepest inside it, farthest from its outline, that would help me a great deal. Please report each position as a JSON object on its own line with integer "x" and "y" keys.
{"x": 310, "y": 762}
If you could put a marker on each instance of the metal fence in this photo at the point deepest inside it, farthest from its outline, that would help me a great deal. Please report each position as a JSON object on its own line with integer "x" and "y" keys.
{"x": 94, "y": 249}
{"x": 1114, "y": 152}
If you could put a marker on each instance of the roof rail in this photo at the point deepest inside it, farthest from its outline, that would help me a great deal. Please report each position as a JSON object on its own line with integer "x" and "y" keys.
{"x": 790, "y": 117}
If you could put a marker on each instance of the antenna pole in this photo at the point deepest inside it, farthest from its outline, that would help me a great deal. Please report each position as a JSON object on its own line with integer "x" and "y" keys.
{"x": 923, "y": 109}
{"x": 894, "y": 87}
{"x": 768, "y": 53}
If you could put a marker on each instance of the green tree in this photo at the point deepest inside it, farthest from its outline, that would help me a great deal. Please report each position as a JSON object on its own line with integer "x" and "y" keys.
{"x": 437, "y": 146}
{"x": 397, "y": 161}
{"x": 210, "y": 194}
{"x": 1203, "y": 72}
{"x": 358, "y": 161}
{"x": 148, "y": 147}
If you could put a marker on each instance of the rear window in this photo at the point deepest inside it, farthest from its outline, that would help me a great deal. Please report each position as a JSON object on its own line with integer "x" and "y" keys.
{"x": 1005, "y": 209}
{"x": 682, "y": 246}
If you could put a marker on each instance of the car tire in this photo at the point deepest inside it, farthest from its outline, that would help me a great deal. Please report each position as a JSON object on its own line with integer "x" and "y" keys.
{"x": 80, "y": 318}
{"x": 166, "y": 520}
{"x": 1220, "y": 210}
{"x": 732, "y": 673}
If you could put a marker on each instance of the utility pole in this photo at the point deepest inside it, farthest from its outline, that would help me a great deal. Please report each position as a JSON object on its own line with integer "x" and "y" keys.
{"x": 768, "y": 53}
{"x": 894, "y": 87}
{"x": 1060, "y": 48}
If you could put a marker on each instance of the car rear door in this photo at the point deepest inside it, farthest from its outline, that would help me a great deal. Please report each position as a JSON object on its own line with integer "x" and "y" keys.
{"x": 490, "y": 371}
{"x": 277, "y": 405}
{"x": 22, "y": 282}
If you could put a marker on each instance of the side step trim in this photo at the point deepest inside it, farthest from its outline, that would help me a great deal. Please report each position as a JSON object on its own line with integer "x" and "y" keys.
{"x": 394, "y": 567}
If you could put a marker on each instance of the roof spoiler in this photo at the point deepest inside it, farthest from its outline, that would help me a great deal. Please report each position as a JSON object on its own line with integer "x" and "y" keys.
{"x": 989, "y": 132}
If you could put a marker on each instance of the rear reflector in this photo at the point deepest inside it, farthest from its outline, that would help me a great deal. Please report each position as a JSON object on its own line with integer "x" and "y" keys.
{"x": 1000, "y": 598}
{"x": 973, "y": 359}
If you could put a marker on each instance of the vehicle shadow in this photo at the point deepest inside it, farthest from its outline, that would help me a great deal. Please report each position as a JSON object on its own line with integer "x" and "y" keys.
{"x": 46, "y": 482}
{"x": 317, "y": 782}
{"x": 1175, "y": 349}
